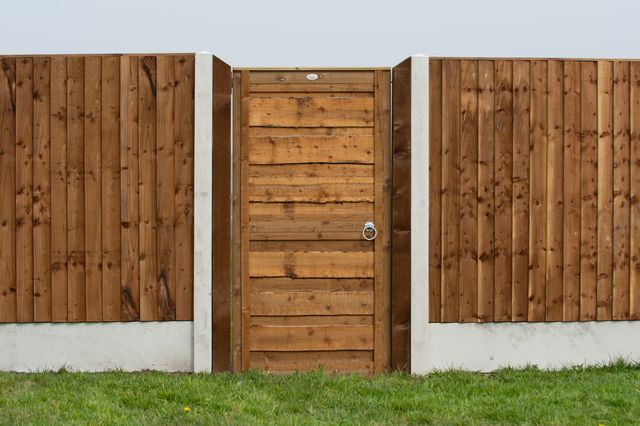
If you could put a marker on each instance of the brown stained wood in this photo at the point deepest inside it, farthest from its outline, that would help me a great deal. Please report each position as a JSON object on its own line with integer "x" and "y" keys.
{"x": 621, "y": 219}
{"x": 321, "y": 264}
{"x": 537, "y": 191}
{"x": 435, "y": 192}
{"x": 520, "y": 195}
{"x": 147, "y": 160}
{"x": 184, "y": 146}
{"x": 588, "y": 190}
{"x": 486, "y": 197}
{"x": 7, "y": 190}
{"x": 93, "y": 186}
{"x": 296, "y": 302}
{"x": 468, "y": 273}
{"x": 110, "y": 155}
{"x": 129, "y": 176}
{"x": 222, "y": 215}
{"x": 237, "y": 284}
{"x": 310, "y": 284}
{"x": 165, "y": 279}
{"x": 571, "y": 193}
{"x": 450, "y": 189}
{"x": 311, "y": 338}
{"x": 311, "y": 320}
{"x": 307, "y": 111}
{"x": 310, "y": 87}
{"x": 329, "y": 361}
{"x": 554, "y": 197}
{"x": 300, "y": 77}
{"x": 244, "y": 215}
{"x": 605, "y": 191}
{"x": 503, "y": 189}
{"x": 634, "y": 183}
{"x": 42, "y": 189}
{"x": 24, "y": 190}
{"x": 302, "y": 221}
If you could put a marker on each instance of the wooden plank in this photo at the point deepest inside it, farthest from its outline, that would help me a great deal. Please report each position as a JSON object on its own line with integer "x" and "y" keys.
{"x": 42, "y": 189}
{"x": 289, "y": 320}
{"x": 634, "y": 183}
{"x": 486, "y": 182}
{"x": 147, "y": 113}
{"x": 435, "y": 191}
{"x": 184, "y": 140}
{"x": 222, "y": 215}
{"x": 537, "y": 191}
{"x": 320, "y": 264}
{"x": 238, "y": 262}
{"x": 244, "y": 215}
{"x": 311, "y": 303}
{"x": 311, "y": 338}
{"x": 554, "y": 214}
{"x": 304, "y": 221}
{"x": 571, "y": 194}
{"x": 308, "y": 111}
{"x": 605, "y": 192}
{"x": 330, "y": 361}
{"x": 343, "y": 148}
{"x": 468, "y": 273}
{"x": 310, "y": 284}
{"x": 310, "y": 87}
{"x": 450, "y": 189}
{"x": 7, "y": 190}
{"x": 503, "y": 189}
{"x": 300, "y": 77}
{"x": 165, "y": 281}
{"x": 110, "y": 155}
{"x": 58, "y": 189}
{"x": 382, "y": 243}
{"x": 93, "y": 186}
{"x": 24, "y": 189}
{"x": 621, "y": 219}
{"x": 129, "y": 175}
{"x": 588, "y": 190}
{"x": 520, "y": 239}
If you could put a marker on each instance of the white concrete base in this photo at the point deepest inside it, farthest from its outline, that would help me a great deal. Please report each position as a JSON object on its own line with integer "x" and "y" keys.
{"x": 127, "y": 346}
{"x": 553, "y": 345}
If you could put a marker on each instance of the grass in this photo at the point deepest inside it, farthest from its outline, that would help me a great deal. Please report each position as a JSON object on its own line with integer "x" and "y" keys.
{"x": 607, "y": 395}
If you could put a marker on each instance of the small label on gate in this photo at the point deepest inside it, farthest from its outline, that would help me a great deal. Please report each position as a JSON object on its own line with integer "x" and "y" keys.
{"x": 312, "y": 76}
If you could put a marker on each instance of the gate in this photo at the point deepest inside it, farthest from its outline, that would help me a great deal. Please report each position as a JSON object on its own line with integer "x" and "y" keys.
{"x": 312, "y": 187}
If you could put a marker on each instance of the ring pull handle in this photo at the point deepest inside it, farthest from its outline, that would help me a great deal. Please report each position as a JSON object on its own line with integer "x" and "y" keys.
{"x": 369, "y": 231}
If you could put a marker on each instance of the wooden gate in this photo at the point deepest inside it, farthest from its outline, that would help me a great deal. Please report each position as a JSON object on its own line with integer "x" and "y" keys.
{"x": 312, "y": 166}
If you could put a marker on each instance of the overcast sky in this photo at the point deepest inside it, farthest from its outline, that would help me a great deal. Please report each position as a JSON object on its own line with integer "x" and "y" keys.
{"x": 324, "y": 32}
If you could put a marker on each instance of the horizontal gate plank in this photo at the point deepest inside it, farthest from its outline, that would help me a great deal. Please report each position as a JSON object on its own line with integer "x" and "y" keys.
{"x": 311, "y": 264}
{"x": 343, "y": 148}
{"x": 300, "y": 77}
{"x": 330, "y": 361}
{"x": 310, "y": 87}
{"x": 324, "y": 320}
{"x": 307, "y": 221}
{"x": 305, "y": 111}
{"x": 311, "y": 302}
{"x": 311, "y": 338}
{"x": 258, "y": 132}
{"x": 310, "y": 284}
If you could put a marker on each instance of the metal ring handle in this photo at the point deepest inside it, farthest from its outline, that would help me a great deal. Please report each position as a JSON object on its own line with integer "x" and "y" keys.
{"x": 368, "y": 228}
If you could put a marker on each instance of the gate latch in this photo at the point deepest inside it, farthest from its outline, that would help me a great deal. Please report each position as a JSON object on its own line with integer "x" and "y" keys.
{"x": 369, "y": 231}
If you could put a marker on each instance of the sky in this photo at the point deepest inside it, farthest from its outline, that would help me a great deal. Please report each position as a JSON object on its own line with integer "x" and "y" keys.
{"x": 327, "y": 33}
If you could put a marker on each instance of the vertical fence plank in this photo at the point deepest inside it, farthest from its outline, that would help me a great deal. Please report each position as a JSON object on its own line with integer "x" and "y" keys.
{"x": 486, "y": 181}
{"x": 59, "y": 189}
{"x": 184, "y": 93}
{"x": 93, "y": 186}
{"x": 7, "y": 190}
{"x": 571, "y": 193}
{"x": 537, "y": 200}
{"x": 236, "y": 313}
{"x": 468, "y": 271}
{"x": 111, "y": 309}
{"x": 588, "y": 190}
{"x": 147, "y": 188}
{"x": 503, "y": 189}
{"x": 605, "y": 192}
{"x": 129, "y": 245}
{"x": 435, "y": 189}
{"x": 41, "y": 189}
{"x": 166, "y": 187}
{"x": 450, "y": 188}
{"x": 620, "y": 283}
{"x": 24, "y": 189}
{"x": 244, "y": 214}
{"x": 554, "y": 206}
{"x": 634, "y": 273}
{"x": 520, "y": 240}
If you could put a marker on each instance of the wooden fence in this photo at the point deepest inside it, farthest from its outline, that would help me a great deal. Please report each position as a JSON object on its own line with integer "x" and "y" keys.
{"x": 535, "y": 181}
{"x": 96, "y": 188}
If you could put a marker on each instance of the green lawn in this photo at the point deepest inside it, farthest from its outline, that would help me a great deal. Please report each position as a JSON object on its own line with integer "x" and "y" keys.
{"x": 579, "y": 396}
